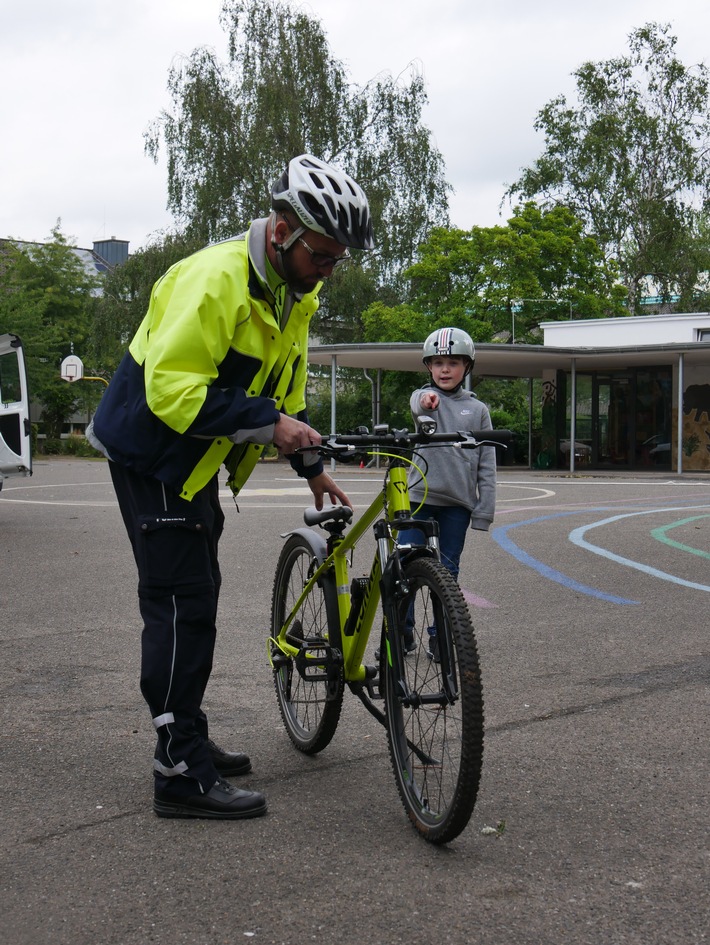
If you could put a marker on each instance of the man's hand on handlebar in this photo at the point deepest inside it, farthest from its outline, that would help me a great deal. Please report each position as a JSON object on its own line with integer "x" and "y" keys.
{"x": 291, "y": 434}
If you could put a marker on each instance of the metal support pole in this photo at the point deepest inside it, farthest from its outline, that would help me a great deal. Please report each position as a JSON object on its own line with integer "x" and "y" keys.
{"x": 378, "y": 405}
{"x": 378, "y": 402}
{"x": 573, "y": 415}
{"x": 373, "y": 399}
{"x": 679, "y": 447}
{"x": 530, "y": 422}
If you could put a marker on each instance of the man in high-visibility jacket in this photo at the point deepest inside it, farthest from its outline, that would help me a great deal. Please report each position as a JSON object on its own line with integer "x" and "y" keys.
{"x": 216, "y": 371}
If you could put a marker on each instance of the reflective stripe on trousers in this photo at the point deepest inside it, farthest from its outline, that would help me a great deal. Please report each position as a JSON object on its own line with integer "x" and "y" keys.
{"x": 175, "y": 547}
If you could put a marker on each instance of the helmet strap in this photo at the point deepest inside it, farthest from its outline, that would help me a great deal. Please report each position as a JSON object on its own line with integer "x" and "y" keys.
{"x": 287, "y": 244}
{"x": 281, "y": 248}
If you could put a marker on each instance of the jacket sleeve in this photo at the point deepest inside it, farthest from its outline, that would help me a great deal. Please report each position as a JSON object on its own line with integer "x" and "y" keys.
{"x": 484, "y": 509}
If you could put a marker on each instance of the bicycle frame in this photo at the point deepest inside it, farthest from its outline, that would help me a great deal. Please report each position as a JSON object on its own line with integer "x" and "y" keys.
{"x": 356, "y": 612}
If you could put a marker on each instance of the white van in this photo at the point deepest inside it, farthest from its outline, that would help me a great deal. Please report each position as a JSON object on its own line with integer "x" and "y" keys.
{"x": 15, "y": 439}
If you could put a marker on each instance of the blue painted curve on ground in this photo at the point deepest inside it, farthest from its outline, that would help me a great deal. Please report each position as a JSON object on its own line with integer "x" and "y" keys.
{"x": 501, "y": 535}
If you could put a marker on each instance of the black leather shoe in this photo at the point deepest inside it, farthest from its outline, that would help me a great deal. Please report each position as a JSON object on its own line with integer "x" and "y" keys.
{"x": 223, "y": 802}
{"x": 228, "y": 762}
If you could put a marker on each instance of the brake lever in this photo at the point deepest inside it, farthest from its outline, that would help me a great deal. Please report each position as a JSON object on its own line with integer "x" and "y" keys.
{"x": 328, "y": 448}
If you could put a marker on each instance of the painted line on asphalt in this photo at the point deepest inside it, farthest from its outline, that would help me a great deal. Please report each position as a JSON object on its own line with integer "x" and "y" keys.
{"x": 577, "y": 538}
{"x": 660, "y": 535}
{"x": 79, "y": 503}
{"x": 475, "y": 601}
{"x": 552, "y": 574}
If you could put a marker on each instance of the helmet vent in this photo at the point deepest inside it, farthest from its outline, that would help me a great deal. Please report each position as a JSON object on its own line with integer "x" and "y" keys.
{"x": 326, "y": 200}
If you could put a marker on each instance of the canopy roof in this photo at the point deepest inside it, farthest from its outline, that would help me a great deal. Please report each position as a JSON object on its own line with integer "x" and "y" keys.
{"x": 500, "y": 360}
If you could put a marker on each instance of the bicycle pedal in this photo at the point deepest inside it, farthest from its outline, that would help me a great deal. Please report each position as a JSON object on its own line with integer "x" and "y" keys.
{"x": 371, "y": 682}
{"x": 318, "y": 661}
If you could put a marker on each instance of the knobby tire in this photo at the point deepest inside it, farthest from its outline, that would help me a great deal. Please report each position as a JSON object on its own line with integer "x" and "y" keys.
{"x": 438, "y": 782}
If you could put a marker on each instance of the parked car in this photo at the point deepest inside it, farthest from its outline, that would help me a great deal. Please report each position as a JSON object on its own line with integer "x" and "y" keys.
{"x": 659, "y": 448}
{"x": 582, "y": 451}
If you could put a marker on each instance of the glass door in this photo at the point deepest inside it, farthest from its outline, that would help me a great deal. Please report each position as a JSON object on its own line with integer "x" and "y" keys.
{"x": 612, "y": 420}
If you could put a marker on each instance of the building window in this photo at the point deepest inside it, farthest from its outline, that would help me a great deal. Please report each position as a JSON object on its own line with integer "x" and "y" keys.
{"x": 703, "y": 334}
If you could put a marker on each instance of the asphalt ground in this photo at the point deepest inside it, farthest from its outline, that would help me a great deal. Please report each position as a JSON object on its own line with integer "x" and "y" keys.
{"x": 590, "y": 600}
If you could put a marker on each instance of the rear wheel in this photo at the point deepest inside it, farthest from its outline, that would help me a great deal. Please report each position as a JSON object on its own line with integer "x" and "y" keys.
{"x": 309, "y": 687}
{"x": 435, "y": 720}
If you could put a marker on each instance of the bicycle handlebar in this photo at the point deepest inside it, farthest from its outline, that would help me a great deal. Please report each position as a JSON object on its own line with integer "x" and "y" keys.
{"x": 338, "y": 445}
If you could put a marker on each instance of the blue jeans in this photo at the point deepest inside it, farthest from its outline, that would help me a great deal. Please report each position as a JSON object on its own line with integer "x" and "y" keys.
{"x": 454, "y": 521}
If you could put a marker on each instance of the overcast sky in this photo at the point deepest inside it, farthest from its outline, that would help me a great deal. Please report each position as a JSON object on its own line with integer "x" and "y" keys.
{"x": 80, "y": 82}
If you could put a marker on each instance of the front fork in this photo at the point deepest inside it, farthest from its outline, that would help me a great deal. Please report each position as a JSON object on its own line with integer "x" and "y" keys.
{"x": 395, "y": 591}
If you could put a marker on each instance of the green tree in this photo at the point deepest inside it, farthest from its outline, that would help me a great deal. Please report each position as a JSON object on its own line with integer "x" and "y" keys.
{"x": 498, "y": 283}
{"x": 234, "y": 125}
{"x": 395, "y": 323}
{"x": 631, "y": 159}
{"x": 354, "y": 401}
{"x": 48, "y": 299}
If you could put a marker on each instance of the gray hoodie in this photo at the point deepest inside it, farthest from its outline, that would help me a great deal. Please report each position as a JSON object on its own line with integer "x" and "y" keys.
{"x": 456, "y": 476}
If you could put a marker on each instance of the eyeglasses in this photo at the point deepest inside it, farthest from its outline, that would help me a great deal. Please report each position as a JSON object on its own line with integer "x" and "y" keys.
{"x": 322, "y": 260}
{"x": 319, "y": 260}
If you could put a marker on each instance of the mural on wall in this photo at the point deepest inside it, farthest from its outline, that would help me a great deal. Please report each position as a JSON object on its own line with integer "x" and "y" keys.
{"x": 549, "y": 394}
{"x": 545, "y": 458}
{"x": 696, "y": 426}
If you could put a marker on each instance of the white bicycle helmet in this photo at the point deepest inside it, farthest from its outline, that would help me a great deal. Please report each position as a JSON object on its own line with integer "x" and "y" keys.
{"x": 449, "y": 342}
{"x": 325, "y": 200}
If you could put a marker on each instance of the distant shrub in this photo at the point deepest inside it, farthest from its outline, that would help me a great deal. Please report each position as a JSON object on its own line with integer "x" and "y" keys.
{"x": 50, "y": 446}
{"x": 73, "y": 445}
{"x": 78, "y": 445}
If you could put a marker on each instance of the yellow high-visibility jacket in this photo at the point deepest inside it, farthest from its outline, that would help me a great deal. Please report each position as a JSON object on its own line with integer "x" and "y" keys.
{"x": 207, "y": 373}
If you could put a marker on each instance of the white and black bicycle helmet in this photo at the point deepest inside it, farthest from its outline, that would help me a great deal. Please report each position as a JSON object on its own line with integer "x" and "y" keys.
{"x": 325, "y": 200}
{"x": 449, "y": 342}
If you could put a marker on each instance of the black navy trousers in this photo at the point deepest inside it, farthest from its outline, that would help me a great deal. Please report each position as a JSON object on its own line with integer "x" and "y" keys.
{"x": 175, "y": 548}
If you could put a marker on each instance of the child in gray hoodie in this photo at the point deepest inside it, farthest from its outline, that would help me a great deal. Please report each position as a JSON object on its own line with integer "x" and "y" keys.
{"x": 461, "y": 483}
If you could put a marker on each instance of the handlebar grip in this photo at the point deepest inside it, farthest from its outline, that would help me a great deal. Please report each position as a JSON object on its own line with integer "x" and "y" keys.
{"x": 504, "y": 437}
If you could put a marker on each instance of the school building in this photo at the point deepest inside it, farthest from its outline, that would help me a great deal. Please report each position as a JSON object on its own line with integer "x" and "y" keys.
{"x": 616, "y": 393}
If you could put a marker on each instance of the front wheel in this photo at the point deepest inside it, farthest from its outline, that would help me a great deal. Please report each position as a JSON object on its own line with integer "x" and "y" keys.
{"x": 309, "y": 687}
{"x": 435, "y": 710}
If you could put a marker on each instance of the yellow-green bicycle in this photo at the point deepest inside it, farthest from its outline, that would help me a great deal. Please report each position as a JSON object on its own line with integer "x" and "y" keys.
{"x": 321, "y": 620}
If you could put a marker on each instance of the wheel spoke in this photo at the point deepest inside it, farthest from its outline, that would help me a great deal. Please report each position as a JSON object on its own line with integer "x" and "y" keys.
{"x": 436, "y": 734}
{"x": 309, "y": 711}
